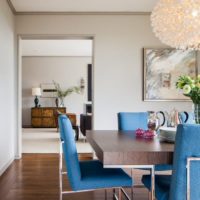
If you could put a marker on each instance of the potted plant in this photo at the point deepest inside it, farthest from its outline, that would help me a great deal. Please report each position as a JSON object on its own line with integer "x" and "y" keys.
{"x": 61, "y": 94}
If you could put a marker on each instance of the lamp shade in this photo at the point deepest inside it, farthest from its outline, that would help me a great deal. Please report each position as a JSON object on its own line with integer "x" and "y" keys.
{"x": 36, "y": 91}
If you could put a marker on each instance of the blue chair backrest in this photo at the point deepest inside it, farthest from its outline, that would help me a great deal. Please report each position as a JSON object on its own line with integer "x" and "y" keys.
{"x": 186, "y": 117}
{"x": 130, "y": 121}
{"x": 70, "y": 151}
{"x": 187, "y": 145}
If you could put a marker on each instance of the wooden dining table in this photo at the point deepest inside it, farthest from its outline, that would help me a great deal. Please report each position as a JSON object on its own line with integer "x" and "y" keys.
{"x": 123, "y": 149}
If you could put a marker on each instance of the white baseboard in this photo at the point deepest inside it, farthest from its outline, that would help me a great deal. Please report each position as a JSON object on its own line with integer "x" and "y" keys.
{"x": 17, "y": 157}
{"x": 3, "y": 169}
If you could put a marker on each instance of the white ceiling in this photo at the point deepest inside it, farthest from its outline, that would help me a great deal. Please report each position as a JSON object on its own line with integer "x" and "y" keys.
{"x": 56, "y": 47}
{"x": 83, "y": 5}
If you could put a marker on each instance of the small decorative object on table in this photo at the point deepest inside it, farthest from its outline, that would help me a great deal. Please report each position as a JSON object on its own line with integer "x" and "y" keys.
{"x": 167, "y": 134}
{"x": 154, "y": 120}
{"x": 172, "y": 118}
{"x": 191, "y": 88}
{"x": 139, "y": 132}
{"x": 61, "y": 94}
{"x": 147, "y": 134}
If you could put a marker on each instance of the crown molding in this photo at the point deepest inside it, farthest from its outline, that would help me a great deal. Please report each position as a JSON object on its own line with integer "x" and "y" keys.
{"x": 56, "y": 36}
{"x": 83, "y": 13}
{"x": 71, "y": 13}
{"x": 12, "y": 8}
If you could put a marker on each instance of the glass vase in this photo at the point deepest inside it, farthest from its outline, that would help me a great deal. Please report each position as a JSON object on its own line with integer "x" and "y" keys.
{"x": 197, "y": 113}
{"x": 62, "y": 102}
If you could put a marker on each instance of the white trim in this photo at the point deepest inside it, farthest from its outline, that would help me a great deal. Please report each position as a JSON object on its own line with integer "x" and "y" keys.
{"x": 18, "y": 153}
{"x": 12, "y": 8}
{"x": 82, "y": 13}
{"x": 5, "y": 167}
{"x": 17, "y": 157}
{"x": 15, "y": 12}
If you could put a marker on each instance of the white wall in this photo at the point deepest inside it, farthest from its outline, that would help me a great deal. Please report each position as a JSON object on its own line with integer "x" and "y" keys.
{"x": 119, "y": 40}
{"x": 67, "y": 71}
{"x": 7, "y": 87}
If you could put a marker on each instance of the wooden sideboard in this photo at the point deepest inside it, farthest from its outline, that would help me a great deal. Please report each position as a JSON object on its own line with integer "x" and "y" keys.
{"x": 44, "y": 117}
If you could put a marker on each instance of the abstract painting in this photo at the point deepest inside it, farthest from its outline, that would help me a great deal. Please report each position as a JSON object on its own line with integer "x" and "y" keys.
{"x": 162, "y": 67}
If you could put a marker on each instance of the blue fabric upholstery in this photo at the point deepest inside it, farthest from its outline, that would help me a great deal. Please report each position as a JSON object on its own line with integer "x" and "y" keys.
{"x": 70, "y": 151}
{"x": 183, "y": 117}
{"x": 130, "y": 121}
{"x": 163, "y": 167}
{"x": 88, "y": 174}
{"x": 162, "y": 185}
{"x": 174, "y": 187}
{"x": 95, "y": 176}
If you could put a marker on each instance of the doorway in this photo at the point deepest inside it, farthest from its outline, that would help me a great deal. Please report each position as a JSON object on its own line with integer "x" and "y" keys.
{"x": 41, "y": 66}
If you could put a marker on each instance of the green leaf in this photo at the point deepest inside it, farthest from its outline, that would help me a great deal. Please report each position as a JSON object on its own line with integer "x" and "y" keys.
{"x": 63, "y": 93}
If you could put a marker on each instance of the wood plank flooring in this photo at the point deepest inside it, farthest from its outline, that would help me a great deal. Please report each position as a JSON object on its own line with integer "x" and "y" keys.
{"x": 35, "y": 177}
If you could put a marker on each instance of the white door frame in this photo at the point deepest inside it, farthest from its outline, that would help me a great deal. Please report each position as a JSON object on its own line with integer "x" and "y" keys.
{"x": 18, "y": 150}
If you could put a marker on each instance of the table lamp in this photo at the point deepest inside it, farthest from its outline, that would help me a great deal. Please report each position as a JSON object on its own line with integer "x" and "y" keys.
{"x": 36, "y": 92}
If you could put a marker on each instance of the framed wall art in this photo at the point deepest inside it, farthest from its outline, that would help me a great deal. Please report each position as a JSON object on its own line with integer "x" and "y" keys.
{"x": 162, "y": 67}
{"x": 48, "y": 90}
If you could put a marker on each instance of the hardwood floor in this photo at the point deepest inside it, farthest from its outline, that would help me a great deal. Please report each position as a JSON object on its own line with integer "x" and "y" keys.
{"x": 35, "y": 177}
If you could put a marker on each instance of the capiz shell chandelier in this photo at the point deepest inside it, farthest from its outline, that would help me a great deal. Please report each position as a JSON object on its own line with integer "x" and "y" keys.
{"x": 177, "y": 23}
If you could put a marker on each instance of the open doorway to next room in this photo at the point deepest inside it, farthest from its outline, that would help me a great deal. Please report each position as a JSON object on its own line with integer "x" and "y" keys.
{"x": 50, "y": 67}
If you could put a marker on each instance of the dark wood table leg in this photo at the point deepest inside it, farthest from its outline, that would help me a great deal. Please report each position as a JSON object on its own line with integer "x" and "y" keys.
{"x": 77, "y": 132}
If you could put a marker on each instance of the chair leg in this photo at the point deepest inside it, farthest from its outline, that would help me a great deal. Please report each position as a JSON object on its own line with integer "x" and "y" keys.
{"x": 120, "y": 194}
{"x": 132, "y": 192}
{"x": 60, "y": 172}
{"x": 150, "y": 196}
{"x": 106, "y": 194}
{"x": 113, "y": 193}
{"x": 132, "y": 186}
{"x": 152, "y": 183}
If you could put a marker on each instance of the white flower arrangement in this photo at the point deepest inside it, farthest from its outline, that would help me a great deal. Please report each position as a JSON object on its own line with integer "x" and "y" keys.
{"x": 190, "y": 87}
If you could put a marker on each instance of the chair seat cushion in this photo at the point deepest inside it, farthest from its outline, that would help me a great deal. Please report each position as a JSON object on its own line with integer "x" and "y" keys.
{"x": 162, "y": 185}
{"x": 94, "y": 176}
{"x": 163, "y": 167}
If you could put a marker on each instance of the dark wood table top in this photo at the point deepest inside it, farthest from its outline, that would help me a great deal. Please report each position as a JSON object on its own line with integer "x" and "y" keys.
{"x": 124, "y": 148}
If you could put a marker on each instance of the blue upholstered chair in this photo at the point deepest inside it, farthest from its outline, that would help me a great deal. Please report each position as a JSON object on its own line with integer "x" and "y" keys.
{"x": 130, "y": 121}
{"x": 86, "y": 175}
{"x": 186, "y": 148}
